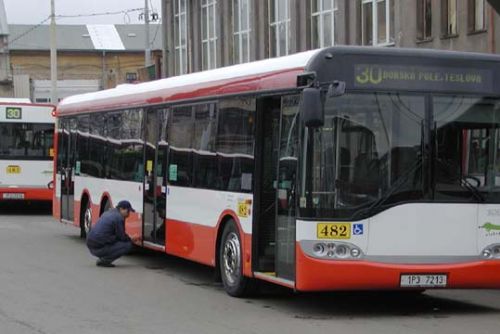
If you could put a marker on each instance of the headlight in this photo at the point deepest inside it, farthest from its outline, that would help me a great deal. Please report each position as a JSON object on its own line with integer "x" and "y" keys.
{"x": 332, "y": 250}
{"x": 491, "y": 252}
{"x": 319, "y": 249}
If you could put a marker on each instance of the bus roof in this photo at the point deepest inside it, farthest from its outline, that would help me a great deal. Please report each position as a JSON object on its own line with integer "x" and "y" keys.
{"x": 13, "y": 100}
{"x": 275, "y": 73}
{"x": 272, "y": 73}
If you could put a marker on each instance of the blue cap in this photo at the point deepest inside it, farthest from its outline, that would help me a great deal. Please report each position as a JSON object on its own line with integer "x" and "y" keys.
{"x": 125, "y": 205}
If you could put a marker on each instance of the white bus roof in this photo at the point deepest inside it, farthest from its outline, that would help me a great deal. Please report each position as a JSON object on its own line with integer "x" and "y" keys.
{"x": 258, "y": 68}
{"x": 13, "y": 100}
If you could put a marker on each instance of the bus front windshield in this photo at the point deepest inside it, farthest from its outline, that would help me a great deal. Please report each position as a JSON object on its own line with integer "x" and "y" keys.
{"x": 26, "y": 141}
{"x": 379, "y": 149}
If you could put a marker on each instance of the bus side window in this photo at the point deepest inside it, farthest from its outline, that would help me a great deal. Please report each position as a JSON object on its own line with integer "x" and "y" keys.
{"x": 180, "y": 135}
{"x": 204, "y": 156}
{"x": 235, "y": 144}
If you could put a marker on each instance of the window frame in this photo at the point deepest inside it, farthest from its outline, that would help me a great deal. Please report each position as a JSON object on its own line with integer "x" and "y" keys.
{"x": 209, "y": 41}
{"x": 274, "y": 22}
{"x": 423, "y": 13}
{"x": 320, "y": 14}
{"x": 181, "y": 61}
{"x": 445, "y": 19}
{"x": 240, "y": 31}
{"x": 472, "y": 16}
{"x": 389, "y": 24}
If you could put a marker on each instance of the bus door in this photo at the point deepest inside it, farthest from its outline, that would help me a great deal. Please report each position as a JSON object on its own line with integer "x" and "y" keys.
{"x": 66, "y": 151}
{"x": 154, "y": 179}
{"x": 286, "y": 187}
{"x": 274, "y": 227}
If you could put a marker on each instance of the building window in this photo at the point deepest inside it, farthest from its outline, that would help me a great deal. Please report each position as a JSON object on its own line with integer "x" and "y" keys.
{"x": 131, "y": 77}
{"x": 241, "y": 29}
{"x": 323, "y": 22}
{"x": 424, "y": 19}
{"x": 449, "y": 17}
{"x": 209, "y": 34}
{"x": 477, "y": 15}
{"x": 377, "y": 22}
{"x": 180, "y": 32}
{"x": 279, "y": 22}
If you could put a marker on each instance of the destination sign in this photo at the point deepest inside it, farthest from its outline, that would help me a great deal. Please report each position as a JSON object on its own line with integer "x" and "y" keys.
{"x": 426, "y": 78}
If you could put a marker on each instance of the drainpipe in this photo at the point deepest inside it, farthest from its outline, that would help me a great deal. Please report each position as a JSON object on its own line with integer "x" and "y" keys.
{"x": 104, "y": 69}
{"x": 491, "y": 29}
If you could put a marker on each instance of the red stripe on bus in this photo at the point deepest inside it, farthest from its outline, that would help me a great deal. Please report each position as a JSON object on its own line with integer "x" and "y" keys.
{"x": 320, "y": 275}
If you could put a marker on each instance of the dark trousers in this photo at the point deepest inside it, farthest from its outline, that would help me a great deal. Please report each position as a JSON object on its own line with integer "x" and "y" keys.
{"x": 111, "y": 252}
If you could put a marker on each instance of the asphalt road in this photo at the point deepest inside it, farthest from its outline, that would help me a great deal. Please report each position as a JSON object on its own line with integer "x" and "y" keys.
{"x": 50, "y": 284}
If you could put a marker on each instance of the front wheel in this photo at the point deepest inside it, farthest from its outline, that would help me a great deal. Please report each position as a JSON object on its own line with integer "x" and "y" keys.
{"x": 231, "y": 263}
{"x": 86, "y": 221}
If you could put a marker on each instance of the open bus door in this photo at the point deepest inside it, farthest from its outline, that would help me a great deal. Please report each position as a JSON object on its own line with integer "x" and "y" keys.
{"x": 155, "y": 153}
{"x": 65, "y": 165}
{"x": 275, "y": 201}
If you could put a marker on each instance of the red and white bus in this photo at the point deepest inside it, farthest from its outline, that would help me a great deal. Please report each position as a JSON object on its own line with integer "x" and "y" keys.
{"x": 26, "y": 150}
{"x": 345, "y": 168}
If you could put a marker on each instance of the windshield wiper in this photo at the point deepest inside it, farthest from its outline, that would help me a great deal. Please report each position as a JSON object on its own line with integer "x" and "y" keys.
{"x": 463, "y": 182}
{"x": 473, "y": 189}
{"x": 396, "y": 186}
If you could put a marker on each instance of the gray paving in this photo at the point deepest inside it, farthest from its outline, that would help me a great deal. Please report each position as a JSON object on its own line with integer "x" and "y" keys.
{"x": 49, "y": 284}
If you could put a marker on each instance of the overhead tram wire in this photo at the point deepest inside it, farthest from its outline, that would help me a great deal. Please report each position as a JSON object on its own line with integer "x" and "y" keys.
{"x": 126, "y": 11}
{"x": 21, "y": 35}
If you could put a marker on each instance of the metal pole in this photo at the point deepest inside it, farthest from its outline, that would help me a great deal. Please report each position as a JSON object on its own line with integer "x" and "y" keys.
{"x": 147, "y": 54}
{"x": 53, "y": 54}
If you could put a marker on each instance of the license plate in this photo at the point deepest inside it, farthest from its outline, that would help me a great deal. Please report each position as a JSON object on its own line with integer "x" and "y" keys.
{"x": 13, "y": 170}
{"x": 424, "y": 281}
{"x": 333, "y": 231}
{"x": 13, "y": 196}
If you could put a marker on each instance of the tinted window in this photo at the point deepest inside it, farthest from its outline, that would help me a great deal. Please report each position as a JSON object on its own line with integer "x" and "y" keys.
{"x": 97, "y": 146}
{"x": 26, "y": 140}
{"x": 124, "y": 158}
{"x": 180, "y": 134}
{"x": 82, "y": 159}
{"x": 235, "y": 144}
{"x": 205, "y": 158}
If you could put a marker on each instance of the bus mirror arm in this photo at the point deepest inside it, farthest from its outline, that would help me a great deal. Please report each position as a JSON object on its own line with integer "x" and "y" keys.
{"x": 336, "y": 88}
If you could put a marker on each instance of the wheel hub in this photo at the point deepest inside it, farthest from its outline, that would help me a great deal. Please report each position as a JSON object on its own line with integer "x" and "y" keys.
{"x": 232, "y": 258}
{"x": 87, "y": 220}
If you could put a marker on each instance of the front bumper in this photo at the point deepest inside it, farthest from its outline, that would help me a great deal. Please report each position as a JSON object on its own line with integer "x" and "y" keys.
{"x": 329, "y": 275}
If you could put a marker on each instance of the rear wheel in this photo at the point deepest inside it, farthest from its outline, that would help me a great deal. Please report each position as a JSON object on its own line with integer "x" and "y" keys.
{"x": 86, "y": 221}
{"x": 231, "y": 263}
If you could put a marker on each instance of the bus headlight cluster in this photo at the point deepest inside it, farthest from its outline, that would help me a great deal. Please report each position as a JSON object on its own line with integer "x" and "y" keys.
{"x": 336, "y": 250}
{"x": 491, "y": 252}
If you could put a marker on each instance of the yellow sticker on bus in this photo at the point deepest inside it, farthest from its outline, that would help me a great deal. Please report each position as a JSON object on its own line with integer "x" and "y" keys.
{"x": 333, "y": 230}
{"x": 244, "y": 208}
{"x": 13, "y": 169}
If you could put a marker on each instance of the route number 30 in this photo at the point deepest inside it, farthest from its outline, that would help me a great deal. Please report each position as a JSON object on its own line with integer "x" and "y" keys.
{"x": 13, "y": 113}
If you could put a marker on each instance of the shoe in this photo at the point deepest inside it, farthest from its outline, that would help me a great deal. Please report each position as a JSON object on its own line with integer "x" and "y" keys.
{"x": 103, "y": 263}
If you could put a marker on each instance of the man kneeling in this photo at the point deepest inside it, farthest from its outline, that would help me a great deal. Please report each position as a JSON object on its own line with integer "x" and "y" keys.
{"x": 107, "y": 239}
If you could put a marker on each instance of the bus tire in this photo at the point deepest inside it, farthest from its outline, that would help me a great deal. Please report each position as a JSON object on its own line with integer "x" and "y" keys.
{"x": 85, "y": 220}
{"x": 105, "y": 207}
{"x": 231, "y": 263}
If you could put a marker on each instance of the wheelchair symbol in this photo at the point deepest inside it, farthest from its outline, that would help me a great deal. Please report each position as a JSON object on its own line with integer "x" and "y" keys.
{"x": 357, "y": 229}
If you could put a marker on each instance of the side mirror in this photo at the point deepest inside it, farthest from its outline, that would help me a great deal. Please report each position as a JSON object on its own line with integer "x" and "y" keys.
{"x": 311, "y": 108}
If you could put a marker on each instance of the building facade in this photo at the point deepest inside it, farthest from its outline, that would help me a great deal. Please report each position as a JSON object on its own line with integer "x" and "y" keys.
{"x": 205, "y": 34}
{"x": 6, "y": 84}
{"x": 90, "y": 58}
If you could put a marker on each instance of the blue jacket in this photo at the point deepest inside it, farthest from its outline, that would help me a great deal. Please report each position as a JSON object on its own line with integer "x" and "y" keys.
{"x": 109, "y": 229}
